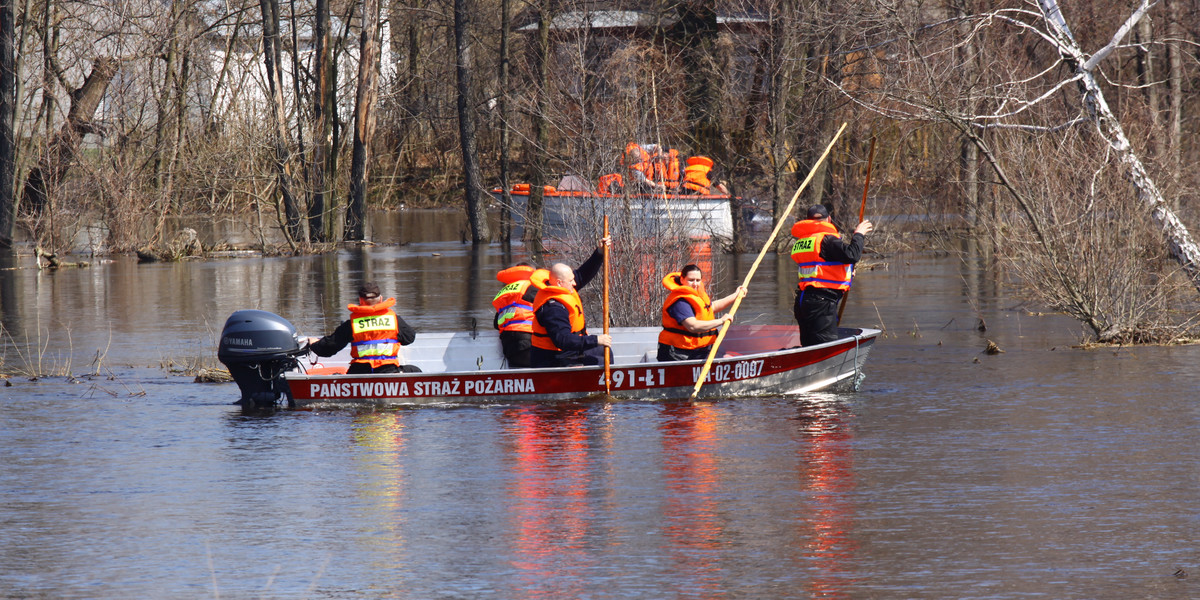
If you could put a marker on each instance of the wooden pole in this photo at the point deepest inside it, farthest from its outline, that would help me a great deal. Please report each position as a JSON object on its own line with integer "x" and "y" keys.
{"x": 862, "y": 210}
{"x": 770, "y": 240}
{"x": 607, "y": 351}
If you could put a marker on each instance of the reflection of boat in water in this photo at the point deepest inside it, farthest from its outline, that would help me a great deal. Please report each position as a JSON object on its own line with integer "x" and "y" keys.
{"x": 648, "y": 214}
{"x": 468, "y": 368}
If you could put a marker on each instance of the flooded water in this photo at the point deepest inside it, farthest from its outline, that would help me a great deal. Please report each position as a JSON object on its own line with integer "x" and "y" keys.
{"x": 1042, "y": 472}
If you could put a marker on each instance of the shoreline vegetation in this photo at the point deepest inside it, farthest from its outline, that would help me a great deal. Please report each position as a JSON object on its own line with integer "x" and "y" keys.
{"x": 298, "y": 121}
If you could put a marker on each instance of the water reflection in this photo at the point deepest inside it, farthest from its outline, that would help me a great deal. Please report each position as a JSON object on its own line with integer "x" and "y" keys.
{"x": 380, "y": 440}
{"x": 826, "y": 478}
{"x": 550, "y": 478}
{"x": 690, "y": 433}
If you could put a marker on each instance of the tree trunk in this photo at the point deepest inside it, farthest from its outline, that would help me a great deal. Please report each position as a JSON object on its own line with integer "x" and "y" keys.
{"x": 321, "y": 141}
{"x": 51, "y": 169}
{"x": 8, "y": 103}
{"x": 1148, "y": 80}
{"x": 162, "y": 124}
{"x": 968, "y": 152}
{"x": 1176, "y": 75}
{"x": 781, "y": 90}
{"x": 506, "y": 193}
{"x": 476, "y": 208}
{"x": 541, "y": 135}
{"x": 364, "y": 120}
{"x": 272, "y": 55}
{"x": 1179, "y": 240}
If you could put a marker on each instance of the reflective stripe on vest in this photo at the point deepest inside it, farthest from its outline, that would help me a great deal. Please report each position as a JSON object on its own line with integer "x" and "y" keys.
{"x": 374, "y": 334}
{"x": 811, "y": 269}
{"x": 513, "y": 313}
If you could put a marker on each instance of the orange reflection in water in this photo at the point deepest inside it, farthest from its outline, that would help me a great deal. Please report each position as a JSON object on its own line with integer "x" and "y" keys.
{"x": 827, "y": 478}
{"x": 689, "y": 437}
{"x": 551, "y": 476}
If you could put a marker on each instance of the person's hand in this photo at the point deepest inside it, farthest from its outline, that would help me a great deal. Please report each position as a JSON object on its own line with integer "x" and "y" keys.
{"x": 727, "y": 319}
{"x": 864, "y": 228}
{"x": 606, "y": 241}
{"x": 742, "y": 291}
{"x": 604, "y": 339}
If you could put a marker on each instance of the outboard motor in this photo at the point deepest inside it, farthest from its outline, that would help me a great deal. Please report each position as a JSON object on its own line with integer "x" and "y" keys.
{"x": 258, "y": 347}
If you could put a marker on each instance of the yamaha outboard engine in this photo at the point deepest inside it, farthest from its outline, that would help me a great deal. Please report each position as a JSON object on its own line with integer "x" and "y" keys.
{"x": 258, "y": 347}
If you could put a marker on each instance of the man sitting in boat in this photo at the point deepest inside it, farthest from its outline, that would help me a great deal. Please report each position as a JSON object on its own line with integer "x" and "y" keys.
{"x": 514, "y": 313}
{"x": 666, "y": 169}
{"x": 560, "y": 337}
{"x": 375, "y": 333}
{"x": 638, "y": 159}
{"x": 688, "y": 316}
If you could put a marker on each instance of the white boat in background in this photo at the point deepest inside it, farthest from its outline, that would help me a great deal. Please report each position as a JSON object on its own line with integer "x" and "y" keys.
{"x": 574, "y": 202}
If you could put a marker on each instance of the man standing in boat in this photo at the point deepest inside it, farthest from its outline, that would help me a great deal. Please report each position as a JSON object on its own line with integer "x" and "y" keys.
{"x": 826, "y": 268}
{"x": 688, "y": 317}
{"x": 560, "y": 337}
{"x": 375, "y": 333}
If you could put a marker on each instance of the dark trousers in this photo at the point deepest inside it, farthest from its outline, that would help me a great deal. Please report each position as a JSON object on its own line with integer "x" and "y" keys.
{"x": 668, "y": 353}
{"x": 816, "y": 314}
{"x": 516, "y": 345}
{"x": 362, "y": 368}
{"x": 549, "y": 358}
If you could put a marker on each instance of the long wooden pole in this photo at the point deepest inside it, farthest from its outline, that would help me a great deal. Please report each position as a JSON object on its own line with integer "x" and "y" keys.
{"x": 862, "y": 211}
{"x": 607, "y": 351}
{"x": 754, "y": 267}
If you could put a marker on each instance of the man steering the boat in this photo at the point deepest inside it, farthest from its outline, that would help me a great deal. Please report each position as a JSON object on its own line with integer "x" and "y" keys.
{"x": 375, "y": 333}
{"x": 689, "y": 318}
{"x": 560, "y": 337}
{"x": 826, "y": 268}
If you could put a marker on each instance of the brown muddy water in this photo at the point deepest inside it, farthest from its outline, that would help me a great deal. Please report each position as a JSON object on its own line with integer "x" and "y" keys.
{"x": 1042, "y": 472}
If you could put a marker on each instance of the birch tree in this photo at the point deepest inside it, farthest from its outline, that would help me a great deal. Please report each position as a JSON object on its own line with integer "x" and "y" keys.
{"x": 1034, "y": 107}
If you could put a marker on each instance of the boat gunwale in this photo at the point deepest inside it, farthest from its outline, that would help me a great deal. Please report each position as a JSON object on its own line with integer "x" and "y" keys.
{"x": 861, "y": 338}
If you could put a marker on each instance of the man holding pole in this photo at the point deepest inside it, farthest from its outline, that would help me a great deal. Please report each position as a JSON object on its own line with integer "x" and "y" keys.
{"x": 826, "y": 268}
{"x": 560, "y": 337}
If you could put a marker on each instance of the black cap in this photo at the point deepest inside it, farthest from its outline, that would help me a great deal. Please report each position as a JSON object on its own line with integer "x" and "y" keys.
{"x": 367, "y": 290}
{"x": 818, "y": 211}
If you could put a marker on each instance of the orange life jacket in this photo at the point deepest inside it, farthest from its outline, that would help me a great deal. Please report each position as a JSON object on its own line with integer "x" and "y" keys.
{"x": 568, "y": 298}
{"x": 806, "y": 251}
{"x": 611, "y": 183}
{"x": 673, "y": 332}
{"x": 637, "y": 159}
{"x": 695, "y": 178}
{"x": 375, "y": 334}
{"x": 513, "y": 313}
{"x": 666, "y": 168}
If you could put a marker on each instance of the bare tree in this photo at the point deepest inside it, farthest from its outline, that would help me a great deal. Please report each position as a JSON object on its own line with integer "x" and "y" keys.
{"x": 50, "y": 171}
{"x": 472, "y": 186}
{"x": 8, "y": 105}
{"x": 320, "y": 219}
{"x": 364, "y": 119}
{"x": 272, "y": 56}
{"x": 1029, "y": 122}
{"x": 541, "y": 131}
{"x": 505, "y": 166}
